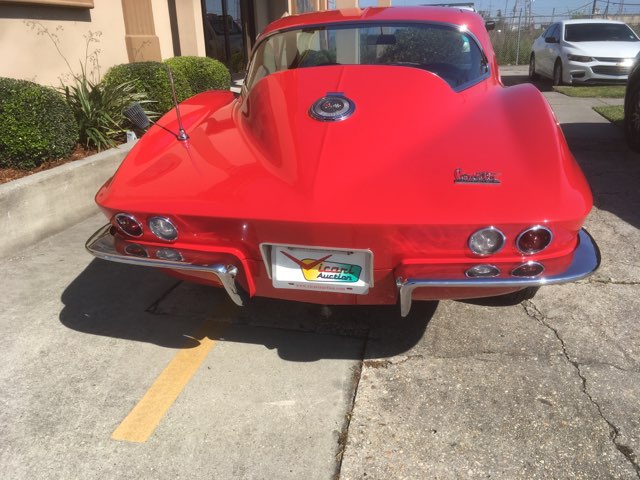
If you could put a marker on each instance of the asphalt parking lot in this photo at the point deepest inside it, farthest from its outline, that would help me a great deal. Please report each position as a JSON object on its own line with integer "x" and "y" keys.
{"x": 112, "y": 371}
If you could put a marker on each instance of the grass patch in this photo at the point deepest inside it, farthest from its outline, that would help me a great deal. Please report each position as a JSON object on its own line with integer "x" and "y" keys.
{"x": 593, "y": 91}
{"x": 614, "y": 114}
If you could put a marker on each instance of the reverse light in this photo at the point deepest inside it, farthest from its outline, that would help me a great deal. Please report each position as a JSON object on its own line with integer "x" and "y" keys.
{"x": 579, "y": 58}
{"x": 528, "y": 270}
{"x": 486, "y": 241}
{"x": 128, "y": 224}
{"x": 169, "y": 254}
{"x": 163, "y": 228}
{"x": 478, "y": 271}
{"x": 534, "y": 240}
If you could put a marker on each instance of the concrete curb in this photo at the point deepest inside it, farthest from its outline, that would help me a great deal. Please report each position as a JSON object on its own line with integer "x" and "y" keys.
{"x": 46, "y": 203}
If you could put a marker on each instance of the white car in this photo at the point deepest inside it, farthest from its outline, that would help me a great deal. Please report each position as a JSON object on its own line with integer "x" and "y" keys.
{"x": 581, "y": 51}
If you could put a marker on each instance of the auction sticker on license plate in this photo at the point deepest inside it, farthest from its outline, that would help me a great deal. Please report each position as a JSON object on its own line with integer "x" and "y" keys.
{"x": 302, "y": 268}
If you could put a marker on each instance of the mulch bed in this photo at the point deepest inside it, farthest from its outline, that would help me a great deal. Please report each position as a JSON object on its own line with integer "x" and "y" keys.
{"x": 80, "y": 152}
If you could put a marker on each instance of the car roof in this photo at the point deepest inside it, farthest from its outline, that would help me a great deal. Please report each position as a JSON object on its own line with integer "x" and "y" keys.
{"x": 589, "y": 20}
{"x": 451, "y": 15}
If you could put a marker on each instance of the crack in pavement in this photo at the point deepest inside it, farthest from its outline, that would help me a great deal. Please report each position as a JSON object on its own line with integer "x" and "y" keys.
{"x": 613, "y": 282}
{"x": 343, "y": 436}
{"x": 614, "y": 432}
{"x": 386, "y": 363}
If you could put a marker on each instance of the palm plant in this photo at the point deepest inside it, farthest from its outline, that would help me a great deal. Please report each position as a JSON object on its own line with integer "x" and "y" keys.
{"x": 98, "y": 106}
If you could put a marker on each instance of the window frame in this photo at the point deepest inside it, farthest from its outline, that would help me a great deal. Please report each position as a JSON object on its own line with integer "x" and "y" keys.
{"x": 368, "y": 24}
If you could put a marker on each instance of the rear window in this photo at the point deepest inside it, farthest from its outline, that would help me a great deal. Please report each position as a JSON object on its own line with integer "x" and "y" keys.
{"x": 599, "y": 32}
{"x": 449, "y": 52}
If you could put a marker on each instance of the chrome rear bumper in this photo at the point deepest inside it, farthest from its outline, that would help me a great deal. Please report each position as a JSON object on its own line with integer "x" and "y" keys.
{"x": 102, "y": 245}
{"x": 586, "y": 260}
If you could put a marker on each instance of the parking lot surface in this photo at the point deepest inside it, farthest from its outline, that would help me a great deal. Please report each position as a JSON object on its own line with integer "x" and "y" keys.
{"x": 113, "y": 371}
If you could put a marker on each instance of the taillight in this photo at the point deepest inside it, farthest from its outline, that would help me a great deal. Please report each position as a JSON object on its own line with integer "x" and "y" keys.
{"x": 136, "y": 250}
{"x": 479, "y": 271}
{"x": 486, "y": 241}
{"x": 534, "y": 240}
{"x": 529, "y": 270}
{"x": 163, "y": 228}
{"x": 128, "y": 224}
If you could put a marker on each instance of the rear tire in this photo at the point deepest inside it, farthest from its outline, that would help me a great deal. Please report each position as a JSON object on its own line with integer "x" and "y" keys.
{"x": 507, "y": 300}
{"x": 557, "y": 74}
{"x": 632, "y": 118}
{"x": 532, "y": 68}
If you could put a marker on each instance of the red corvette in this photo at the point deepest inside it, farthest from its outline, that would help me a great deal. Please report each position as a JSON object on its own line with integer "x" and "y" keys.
{"x": 372, "y": 157}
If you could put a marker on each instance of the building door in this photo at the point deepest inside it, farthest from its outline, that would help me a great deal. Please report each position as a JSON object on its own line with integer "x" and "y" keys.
{"x": 223, "y": 34}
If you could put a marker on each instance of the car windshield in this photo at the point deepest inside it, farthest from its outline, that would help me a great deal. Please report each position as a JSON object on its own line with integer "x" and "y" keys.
{"x": 599, "y": 32}
{"x": 451, "y": 53}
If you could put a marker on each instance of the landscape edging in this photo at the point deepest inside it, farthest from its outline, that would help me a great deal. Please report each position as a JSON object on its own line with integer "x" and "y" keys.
{"x": 45, "y": 203}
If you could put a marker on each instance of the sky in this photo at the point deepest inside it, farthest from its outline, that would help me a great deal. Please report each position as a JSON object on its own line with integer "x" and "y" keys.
{"x": 539, "y": 7}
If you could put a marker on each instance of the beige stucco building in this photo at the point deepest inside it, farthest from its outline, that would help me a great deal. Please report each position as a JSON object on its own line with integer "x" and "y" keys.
{"x": 46, "y": 40}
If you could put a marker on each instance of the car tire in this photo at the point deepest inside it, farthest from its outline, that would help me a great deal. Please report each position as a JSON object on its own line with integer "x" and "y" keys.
{"x": 632, "y": 118}
{"x": 532, "y": 68}
{"x": 557, "y": 74}
{"x": 508, "y": 300}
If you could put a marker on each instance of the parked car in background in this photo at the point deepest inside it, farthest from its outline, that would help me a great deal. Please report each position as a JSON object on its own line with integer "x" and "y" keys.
{"x": 372, "y": 157}
{"x": 584, "y": 51}
{"x": 632, "y": 107}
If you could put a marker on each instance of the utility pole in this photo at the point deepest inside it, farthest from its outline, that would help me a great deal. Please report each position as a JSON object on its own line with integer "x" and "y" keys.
{"x": 593, "y": 9}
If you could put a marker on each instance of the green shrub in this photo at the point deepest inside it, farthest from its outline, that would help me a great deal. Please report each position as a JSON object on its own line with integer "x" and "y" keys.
{"x": 98, "y": 107}
{"x": 202, "y": 73}
{"x": 36, "y": 124}
{"x": 151, "y": 78}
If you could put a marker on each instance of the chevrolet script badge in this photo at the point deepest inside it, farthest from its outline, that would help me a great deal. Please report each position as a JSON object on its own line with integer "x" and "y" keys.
{"x": 477, "y": 177}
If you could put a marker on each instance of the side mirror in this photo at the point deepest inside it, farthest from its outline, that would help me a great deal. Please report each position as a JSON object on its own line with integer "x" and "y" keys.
{"x": 490, "y": 25}
{"x": 551, "y": 40}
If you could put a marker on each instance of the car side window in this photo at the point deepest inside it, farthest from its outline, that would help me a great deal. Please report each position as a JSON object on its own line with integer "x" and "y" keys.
{"x": 547, "y": 32}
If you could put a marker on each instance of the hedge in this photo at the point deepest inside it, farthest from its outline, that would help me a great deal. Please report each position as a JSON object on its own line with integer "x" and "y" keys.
{"x": 36, "y": 124}
{"x": 152, "y": 79}
{"x": 202, "y": 73}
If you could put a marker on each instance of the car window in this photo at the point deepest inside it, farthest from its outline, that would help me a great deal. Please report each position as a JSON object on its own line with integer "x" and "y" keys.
{"x": 449, "y": 52}
{"x": 599, "y": 32}
{"x": 555, "y": 31}
{"x": 548, "y": 32}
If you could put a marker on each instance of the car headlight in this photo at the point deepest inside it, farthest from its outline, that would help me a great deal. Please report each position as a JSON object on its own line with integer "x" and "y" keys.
{"x": 163, "y": 228}
{"x": 579, "y": 58}
{"x": 486, "y": 241}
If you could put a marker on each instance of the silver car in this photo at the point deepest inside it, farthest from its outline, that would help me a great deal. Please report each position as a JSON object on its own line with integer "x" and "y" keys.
{"x": 581, "y": 51}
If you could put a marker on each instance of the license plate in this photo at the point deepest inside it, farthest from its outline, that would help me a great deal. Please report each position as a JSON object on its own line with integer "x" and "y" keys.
{"x": 303, "y": 268}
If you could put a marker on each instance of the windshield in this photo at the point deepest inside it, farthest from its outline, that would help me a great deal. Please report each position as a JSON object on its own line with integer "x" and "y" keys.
{"x": 599, "y": 32}
{"x": 446, "y": 51}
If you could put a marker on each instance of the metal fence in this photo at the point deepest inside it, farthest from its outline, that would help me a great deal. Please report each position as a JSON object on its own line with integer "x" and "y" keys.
{"x": 513, "y": 36}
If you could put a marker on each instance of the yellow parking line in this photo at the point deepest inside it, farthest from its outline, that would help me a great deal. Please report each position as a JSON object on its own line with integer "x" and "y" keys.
{"x": 142, "y": 421}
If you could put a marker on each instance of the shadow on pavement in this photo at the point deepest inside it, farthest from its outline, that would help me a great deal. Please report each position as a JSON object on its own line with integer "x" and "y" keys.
{"x": 543, "y": 85}
{"x": 144, "y": 305}
{"x": 611, "y": 168}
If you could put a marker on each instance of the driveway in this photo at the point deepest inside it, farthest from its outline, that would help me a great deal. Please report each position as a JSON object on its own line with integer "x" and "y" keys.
{"x": 112, "y": 371}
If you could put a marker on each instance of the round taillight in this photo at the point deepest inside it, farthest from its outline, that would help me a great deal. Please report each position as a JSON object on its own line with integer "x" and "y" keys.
{"x": 128, "y": 224}
{"x": 135, "y": 250}
{"x": 478, "y": 271}
{"x": 529, "y": 270}
{"x": 163, "y": 228}
{"x": 534, "y": 240}
{"x": 486, "y": 241}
